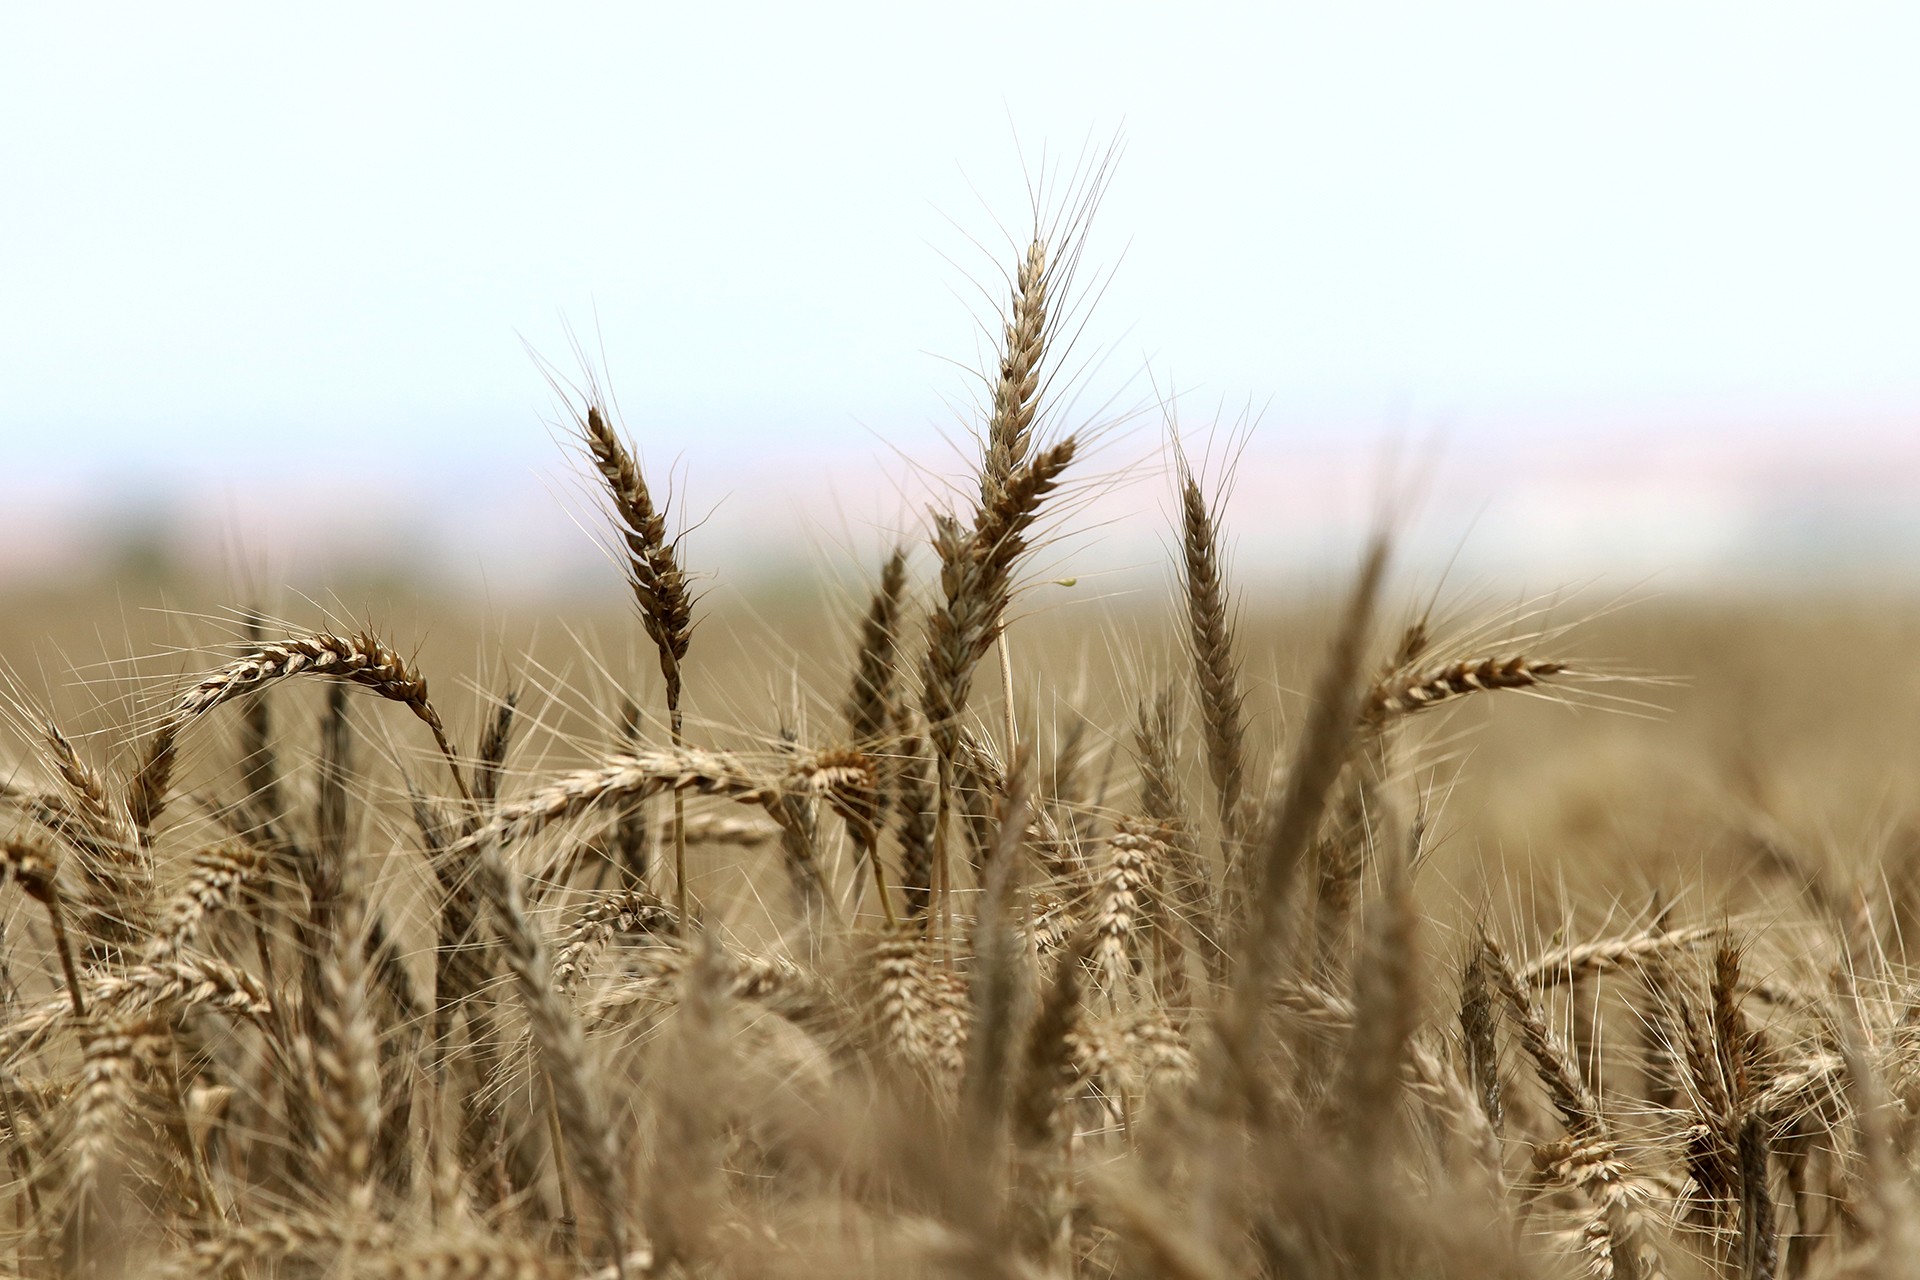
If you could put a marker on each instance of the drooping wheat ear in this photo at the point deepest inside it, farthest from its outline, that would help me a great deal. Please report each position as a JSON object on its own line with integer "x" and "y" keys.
{"x": 624, "y": 778}
{"x": 1289, "y": 831}
{"x": 472, "y": 1258}
{"x": 36, "y": 871}
{"x": 1603, "y": 955}
{"x": 1210, "y": 636}
{"x": 850, "y": 780}
{"x": 578, "y": 1109}
{"x": 1409, "y": 691}
{"x": 660, "y": 589}
{"x": 221, "y": 873}
{"x": 238, "y": 1246}
{"x": 628, "y": 911}
{"x": 184, "y": 983}
{"x": 360, "y": 659}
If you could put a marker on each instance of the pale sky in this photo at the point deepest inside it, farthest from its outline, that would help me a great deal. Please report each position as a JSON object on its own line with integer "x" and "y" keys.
{"x": 254, "y": 245}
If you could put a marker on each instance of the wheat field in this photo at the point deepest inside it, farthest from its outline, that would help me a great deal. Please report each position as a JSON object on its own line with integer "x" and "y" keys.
{"x": 931, "y": 930}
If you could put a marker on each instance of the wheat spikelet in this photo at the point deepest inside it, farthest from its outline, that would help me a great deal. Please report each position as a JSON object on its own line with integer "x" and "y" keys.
{"x": 849, "y": 781}
{"x": 100, "y": 815}
{"x": 656, "y": 974}
{"x": 191, "y": 981}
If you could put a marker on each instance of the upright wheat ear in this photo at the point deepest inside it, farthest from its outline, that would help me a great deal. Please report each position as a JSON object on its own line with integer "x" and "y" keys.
{"x": 1210, "y": 637}
{"x": 660, "y": 589}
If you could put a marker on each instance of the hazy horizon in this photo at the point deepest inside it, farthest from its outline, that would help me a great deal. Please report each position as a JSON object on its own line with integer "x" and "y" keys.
{"x": 280, "y": 283}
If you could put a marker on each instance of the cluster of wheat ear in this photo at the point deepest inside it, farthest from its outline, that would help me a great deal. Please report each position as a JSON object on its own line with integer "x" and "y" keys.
{"x": 1014, "y": 1019}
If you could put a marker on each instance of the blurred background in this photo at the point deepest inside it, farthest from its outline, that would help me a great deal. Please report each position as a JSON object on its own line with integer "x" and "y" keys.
{"x": 1628, "y": 289}
{"x": 1614, "y": 308}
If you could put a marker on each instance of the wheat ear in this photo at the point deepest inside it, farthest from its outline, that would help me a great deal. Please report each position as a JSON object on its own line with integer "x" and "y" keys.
{"x": 1317, "y": 762}
{"x": 360, "y": 659}
{"x": 556, "y": 1036}
{"x": 1404, "y": 693}
{"x": 660, "y": 589}
{"x": 1210, "y": 638}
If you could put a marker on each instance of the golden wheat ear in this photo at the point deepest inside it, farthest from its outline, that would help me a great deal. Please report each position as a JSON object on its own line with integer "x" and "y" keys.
{"x": 1216, "y": 669}
{"x": 661, "y": 589}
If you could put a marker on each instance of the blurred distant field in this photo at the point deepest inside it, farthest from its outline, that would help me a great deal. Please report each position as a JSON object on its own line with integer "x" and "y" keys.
{"x": 1704, "y": 735}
